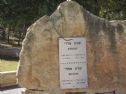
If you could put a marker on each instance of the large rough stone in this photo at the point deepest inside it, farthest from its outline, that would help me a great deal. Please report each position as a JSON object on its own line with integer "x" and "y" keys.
{"x": 106, "y": 45}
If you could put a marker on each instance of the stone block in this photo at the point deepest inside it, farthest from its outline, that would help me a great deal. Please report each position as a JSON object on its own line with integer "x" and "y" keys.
{"x": 8, "y": 78}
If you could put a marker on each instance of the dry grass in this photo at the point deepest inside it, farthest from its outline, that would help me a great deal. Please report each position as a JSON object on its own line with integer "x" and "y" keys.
{"x": 6, "y": 65}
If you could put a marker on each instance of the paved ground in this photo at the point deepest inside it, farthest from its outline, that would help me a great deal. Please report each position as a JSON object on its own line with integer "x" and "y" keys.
{"x": 12, "y": 90}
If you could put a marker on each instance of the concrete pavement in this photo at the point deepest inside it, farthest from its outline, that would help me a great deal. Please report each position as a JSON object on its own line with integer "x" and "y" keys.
{"x": 11, "y": 90}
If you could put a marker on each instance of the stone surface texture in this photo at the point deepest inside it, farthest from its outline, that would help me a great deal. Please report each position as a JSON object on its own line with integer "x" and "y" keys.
{"x": 8, "y": 78}
{"x": 106, "y": 51}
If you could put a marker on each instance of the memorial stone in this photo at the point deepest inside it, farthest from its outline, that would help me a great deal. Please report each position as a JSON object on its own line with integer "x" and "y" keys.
{"x": 39, "y": 68}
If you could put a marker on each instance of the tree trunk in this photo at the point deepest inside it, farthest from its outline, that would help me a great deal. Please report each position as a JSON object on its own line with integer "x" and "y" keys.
{"x": 3, "y": 35}
{"x": 8, "y": 33}
{"x": 19, "y": 39}
{"x": 8, "y": 37}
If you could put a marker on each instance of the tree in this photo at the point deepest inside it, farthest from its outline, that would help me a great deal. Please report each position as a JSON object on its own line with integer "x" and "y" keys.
{"x": 108, "y": 9}
{"x": 17, "y": 15}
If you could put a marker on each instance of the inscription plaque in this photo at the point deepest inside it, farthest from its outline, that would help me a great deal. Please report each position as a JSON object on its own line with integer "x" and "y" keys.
{"x": 73, "y": 63}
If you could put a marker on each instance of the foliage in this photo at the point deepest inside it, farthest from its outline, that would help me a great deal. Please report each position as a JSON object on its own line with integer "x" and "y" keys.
{"x": 17, "y": 15}
{"x": 108, "y": 9}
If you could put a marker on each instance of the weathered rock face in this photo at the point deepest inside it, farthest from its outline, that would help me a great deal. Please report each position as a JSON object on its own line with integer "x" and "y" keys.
{"x": 106, "y": 45}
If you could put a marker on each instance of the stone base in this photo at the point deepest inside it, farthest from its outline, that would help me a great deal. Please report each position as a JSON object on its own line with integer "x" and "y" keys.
{"x": 34, "y": 92}
{"x": 62, "y": 92}
{"x": 40, "y": 92}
